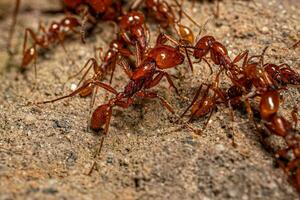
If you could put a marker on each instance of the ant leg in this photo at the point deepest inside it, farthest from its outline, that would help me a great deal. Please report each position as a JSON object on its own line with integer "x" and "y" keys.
{"x": 232, "y": 124}
{"x": 113, "y": 70}
{"x": 138, "y": 54}
{"x": 97, "y": 83}
{"x": 217, "y": 11}
{"x": 158, "y": 78}
{"x": 206, "y": 61}
{"x": 250, "y": 113}
{"x": 99, "y": 149}
{"x": 125, "y": 67}
{"x": 93, "y": 64}
{"x": 100, "y": 49}
{"x": 208, "y": 119}
{"x": 240, "y": 57}
{"x": 13, "y": 26}
{"x": 85, "y": 18}
{"x": 200, "y": 103}
{"x": 29, "y": 54}
{"x": 101, "y": 141}
{"x": 151, "y": 95}
{"x": 147, "y": 33}
{"x": 193, "y": 101}
{"x": 136, "y": 4}
{"x": 35, "y": 68}
{"x": 187, "y": 15}
{"x": 295, "y": 116}
{"x": 60, "y": 39}
{"x": 125, "y": 52}
{"x": 189, "y": 59}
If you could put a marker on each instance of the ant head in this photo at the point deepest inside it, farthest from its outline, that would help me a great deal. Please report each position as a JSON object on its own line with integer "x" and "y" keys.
{"x": 203, "y": 46}
{"x": 133, "y": 18}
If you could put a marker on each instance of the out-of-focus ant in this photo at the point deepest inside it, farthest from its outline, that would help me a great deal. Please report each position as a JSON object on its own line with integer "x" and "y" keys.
{"x": 56, "y": 33}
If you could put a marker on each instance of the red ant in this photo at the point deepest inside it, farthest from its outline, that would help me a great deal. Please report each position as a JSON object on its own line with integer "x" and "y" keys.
{"x": 145, "y": 76}
{"x": 278, "y": 125}
{"x": 116, "y": 49}
{"x": 218, "y": 54}
{"x": 282, "y": 74}
{"x": 206, "y": 104}
{"x": 55, "y": 33}
{"x": 261, "y": 77}
{"x": 134, "y": 30}
{"x": 164, "y": 14}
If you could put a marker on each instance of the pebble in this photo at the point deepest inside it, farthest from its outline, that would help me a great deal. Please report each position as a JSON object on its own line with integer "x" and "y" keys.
{"x": 220, "y": 147}
{"x": 265, "y": 30}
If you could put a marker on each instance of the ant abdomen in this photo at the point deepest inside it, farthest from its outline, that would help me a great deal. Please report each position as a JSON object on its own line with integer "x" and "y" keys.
{"x": 269, "y": 104}
{"x": 100, "y": 117}
{"x": 279, "y": 126}
{"x": 29, "y": 55}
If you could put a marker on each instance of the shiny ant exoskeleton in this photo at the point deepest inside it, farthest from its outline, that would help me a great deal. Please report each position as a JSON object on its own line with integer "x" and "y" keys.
{"x": 147, "y": 74}
{"x": 283, "y": 74}
{"x": 134, "y": 30}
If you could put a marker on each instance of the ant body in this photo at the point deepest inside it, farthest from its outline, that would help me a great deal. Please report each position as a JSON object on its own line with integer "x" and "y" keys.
{"x": 145, "y": 76}
{"x": 56, "y": 32}
{"x": 283, "y": 74}
{"x": 133, "y": 30}
{"x": 108, "y": 63}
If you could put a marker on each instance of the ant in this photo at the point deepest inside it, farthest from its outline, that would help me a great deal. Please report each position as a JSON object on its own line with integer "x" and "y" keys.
{"x": 206, "y": 104}
{"x": 134, "y": 30}
{"x": 282, "y": 74}
{"x": 109, "y": 60}
{"x": 56, "y": 32}
{"x": 278, "y": 125}
{"x": 218, "y": 54}
{"x": 163, "y": 13}
{"x": 146, "y": 75}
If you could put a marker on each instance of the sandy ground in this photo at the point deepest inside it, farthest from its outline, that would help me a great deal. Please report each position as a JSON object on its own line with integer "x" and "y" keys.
{"x": 46, "y": 151}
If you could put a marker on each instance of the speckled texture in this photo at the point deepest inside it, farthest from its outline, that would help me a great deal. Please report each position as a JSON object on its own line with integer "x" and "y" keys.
{"x": 45, "y": 151}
